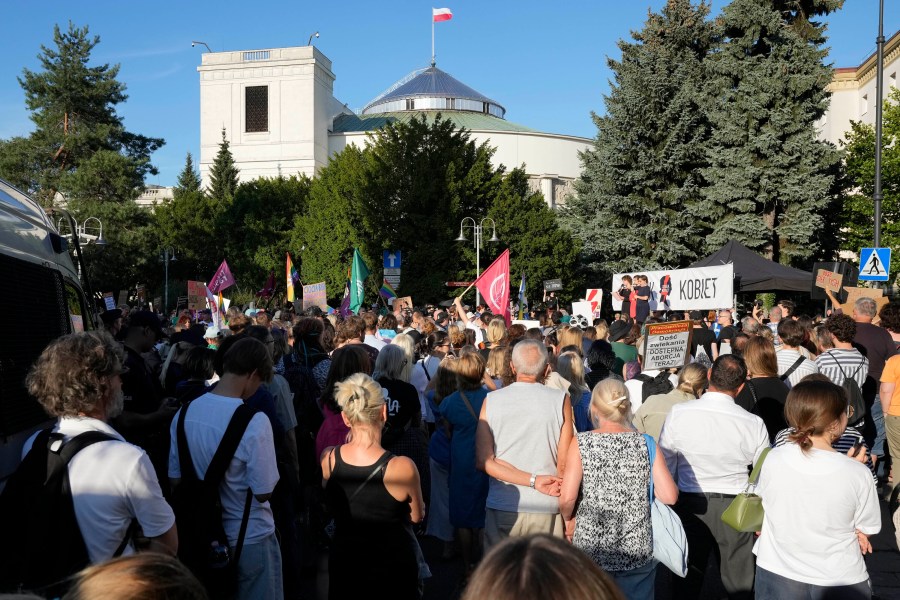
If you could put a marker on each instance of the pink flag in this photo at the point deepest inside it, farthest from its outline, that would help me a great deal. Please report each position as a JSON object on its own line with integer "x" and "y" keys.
{"x": 494, "y": 286}
{"x": 441, "y": 14}
{"x": 222, "y": 279}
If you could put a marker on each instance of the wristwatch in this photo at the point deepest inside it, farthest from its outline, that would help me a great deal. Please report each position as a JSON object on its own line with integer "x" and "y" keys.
{"x": 532, "y": 480}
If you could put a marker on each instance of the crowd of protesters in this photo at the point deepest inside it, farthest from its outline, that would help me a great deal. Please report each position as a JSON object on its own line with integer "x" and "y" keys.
{"x": 371, "y": 431}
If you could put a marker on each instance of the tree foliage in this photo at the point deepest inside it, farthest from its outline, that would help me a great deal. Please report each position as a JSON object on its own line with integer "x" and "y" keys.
{"x": 79, "y": 145}
{"x": 409, "y": 190}
{"x": 255, "y": 229}
{"x": 539, "y": 247}
{"x": 637, "y": 204}
{"x": 224, "y": 174}
{"x": 859, "y": 210}
{"x": 189, "y": 178}
{"x": 771, "y": 183}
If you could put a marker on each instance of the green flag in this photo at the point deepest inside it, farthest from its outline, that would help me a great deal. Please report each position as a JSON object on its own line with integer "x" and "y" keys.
{"x": 359, "y": 272}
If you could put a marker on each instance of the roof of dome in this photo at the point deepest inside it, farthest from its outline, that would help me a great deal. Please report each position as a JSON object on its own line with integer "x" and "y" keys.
{"x": 472, "y": 121}
{"x": 429, "y": 83}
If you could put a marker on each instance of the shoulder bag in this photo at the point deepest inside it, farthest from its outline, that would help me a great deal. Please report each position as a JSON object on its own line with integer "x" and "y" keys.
{"x": 670, "y": 546}
{"x": 745, "y": 513}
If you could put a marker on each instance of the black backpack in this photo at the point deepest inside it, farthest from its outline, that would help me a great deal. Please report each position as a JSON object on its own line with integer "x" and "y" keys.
{"x": 852, "y": 389}
{"x": 42, "y": 545}
{"x": 654, "y": 385}
{"x": 202, "y": 543}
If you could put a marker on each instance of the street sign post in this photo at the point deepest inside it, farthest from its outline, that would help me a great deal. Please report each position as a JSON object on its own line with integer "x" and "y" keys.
{"x": 874, "y": 264}
{"x": 392, "y": 261}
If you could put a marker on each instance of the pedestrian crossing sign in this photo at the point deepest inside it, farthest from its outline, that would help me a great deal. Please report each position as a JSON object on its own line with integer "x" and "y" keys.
{"x": 874, "y": 264}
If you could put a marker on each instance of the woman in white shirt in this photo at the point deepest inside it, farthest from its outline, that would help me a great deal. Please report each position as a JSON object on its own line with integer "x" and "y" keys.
{"x": 820, "y": 505}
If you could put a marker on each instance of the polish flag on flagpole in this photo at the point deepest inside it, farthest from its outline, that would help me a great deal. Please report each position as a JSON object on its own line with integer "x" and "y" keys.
{"x": 441, "y": 14}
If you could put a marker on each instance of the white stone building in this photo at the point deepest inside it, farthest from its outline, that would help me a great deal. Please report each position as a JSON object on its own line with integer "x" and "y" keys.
{"x": 281, "y": 117}
{"x": 853, "y": 92}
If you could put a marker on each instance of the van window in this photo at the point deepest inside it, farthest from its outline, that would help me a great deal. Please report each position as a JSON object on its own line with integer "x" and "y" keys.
{"x": 77, "y": 312}
{"x": 26, "y": 334}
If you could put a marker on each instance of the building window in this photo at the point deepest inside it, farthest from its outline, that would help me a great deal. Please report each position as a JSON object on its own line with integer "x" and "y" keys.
{"x": 410, "y": 104}
{"x": 484, "y": 107}
{"x": 256, "y": 105}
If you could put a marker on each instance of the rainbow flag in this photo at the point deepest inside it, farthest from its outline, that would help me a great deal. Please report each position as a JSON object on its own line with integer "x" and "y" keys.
{"x": 292, "y": 277}
{"x": 387, "y": 291}
{"x": 221, "y": 314}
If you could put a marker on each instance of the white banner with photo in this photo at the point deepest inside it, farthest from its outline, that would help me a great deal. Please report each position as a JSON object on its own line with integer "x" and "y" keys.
{"x": 702, "y": 288}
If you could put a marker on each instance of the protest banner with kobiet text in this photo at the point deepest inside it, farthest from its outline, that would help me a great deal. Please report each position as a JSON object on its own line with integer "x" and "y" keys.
{"x": 700, "y": 288}
{"x": 667, "y": 345}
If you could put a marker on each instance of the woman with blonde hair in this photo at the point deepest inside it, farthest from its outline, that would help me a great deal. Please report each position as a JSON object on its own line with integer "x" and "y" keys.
{"x": 571, "y": 336}
{"x": 374, "y": 496}
{"x": 496, "y": 364}
{"x": 609, "y": 469}
{"x": 494, "y": 336}
{"x": 765, "y": 393}
{"x": 144, "y": 576}
{"x": 570, "y": 367}
{"x": 650, "y": 416}
{"x": 820, "y": 505}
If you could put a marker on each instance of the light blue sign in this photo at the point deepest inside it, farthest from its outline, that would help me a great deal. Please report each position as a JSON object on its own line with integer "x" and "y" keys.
{"x": 392, "y": 259}
{"x": 874, "y": 264}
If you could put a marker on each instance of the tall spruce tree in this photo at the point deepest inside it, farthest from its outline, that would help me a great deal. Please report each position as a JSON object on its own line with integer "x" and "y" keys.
{"x": 79, "y": 145}
{"x": 223, "y": 175}
{"x": 189, "y": 178}
{"x": 636, "y": 203}
{"x": 771, "y": 184}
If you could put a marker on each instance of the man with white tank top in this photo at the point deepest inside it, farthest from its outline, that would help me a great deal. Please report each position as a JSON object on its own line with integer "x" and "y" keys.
{"x": 523, "y": 434}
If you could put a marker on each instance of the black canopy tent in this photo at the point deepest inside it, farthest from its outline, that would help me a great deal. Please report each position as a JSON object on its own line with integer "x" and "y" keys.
{"x": 753, "y": 273}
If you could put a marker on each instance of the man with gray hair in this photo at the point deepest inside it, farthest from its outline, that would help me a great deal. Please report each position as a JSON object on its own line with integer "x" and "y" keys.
{"x": 878, "y": 346}
{"x": 523, "y": 435}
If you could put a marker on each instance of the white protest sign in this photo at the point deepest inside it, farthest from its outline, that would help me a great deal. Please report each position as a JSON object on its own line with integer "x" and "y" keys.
{"x": 583, "y": 310}
{"x": 527, "y": 324}
{"x": 690, "y": 289}
{"x": 667, "y": 345}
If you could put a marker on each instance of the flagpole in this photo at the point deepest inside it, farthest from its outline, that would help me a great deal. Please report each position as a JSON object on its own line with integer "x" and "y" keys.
{"x": 432, "y": 36}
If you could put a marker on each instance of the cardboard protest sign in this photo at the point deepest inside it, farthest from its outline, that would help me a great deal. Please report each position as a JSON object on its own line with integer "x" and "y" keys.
{"x": 402, "y": 303}
{"x": 829, "y": 280}
{"x": 196, "y": 291}
{"x": 123, "y": 297}
{"x": 855, "y": 293}
{"x": 314, "y": 295}
{"x": 667, "y": 345}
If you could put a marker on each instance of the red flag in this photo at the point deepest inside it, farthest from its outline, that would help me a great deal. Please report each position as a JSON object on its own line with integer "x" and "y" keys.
{"x": 494, "y": 285}
{"x": 269, "y": 288}
{"x": 222, "y": 279}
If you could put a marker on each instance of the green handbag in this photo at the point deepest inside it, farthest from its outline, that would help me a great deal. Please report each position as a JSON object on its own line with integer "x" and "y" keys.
{"x": 745, "y": 513}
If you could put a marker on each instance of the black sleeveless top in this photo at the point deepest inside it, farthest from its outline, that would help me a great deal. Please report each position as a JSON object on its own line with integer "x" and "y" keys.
{"x": 373, "y": 549}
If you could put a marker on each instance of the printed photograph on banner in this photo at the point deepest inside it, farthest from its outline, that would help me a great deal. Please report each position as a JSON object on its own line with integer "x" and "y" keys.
{"x": 196, "y": 291}
{"x": 701, "y": 288}
{"x": 582, "y": 314}
{"x": 403, "y": 303}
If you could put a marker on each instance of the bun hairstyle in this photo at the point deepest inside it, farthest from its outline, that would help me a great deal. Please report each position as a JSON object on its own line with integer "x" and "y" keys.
{"x": 610, "y": 401}
{"x": 360, "y": 398}
{"x": 812, "y": 406}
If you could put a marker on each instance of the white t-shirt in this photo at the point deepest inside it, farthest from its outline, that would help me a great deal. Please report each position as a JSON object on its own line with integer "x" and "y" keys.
{"x": 253, "y": 465}
{"x": 112, "y": 483}
{"x": 814, "y": 503}
{"x": 374, "y": 341}
{"x": 419, "y": 380}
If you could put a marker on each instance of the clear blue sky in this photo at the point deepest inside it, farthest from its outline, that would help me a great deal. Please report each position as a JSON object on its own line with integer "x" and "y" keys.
{"x": 544, "y": 61}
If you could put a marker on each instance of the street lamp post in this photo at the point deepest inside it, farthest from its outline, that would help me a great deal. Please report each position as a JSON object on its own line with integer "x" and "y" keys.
{"x": 477, "y": 229}
{"x": 879, "y": 91}
{"x": 168, "y": 255}
{"x": 89, "y": 231}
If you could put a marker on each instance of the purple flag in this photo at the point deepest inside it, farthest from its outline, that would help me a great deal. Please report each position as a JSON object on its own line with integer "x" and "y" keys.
{"x": 345, "y": 303}
{"x": 222, "y": 279}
